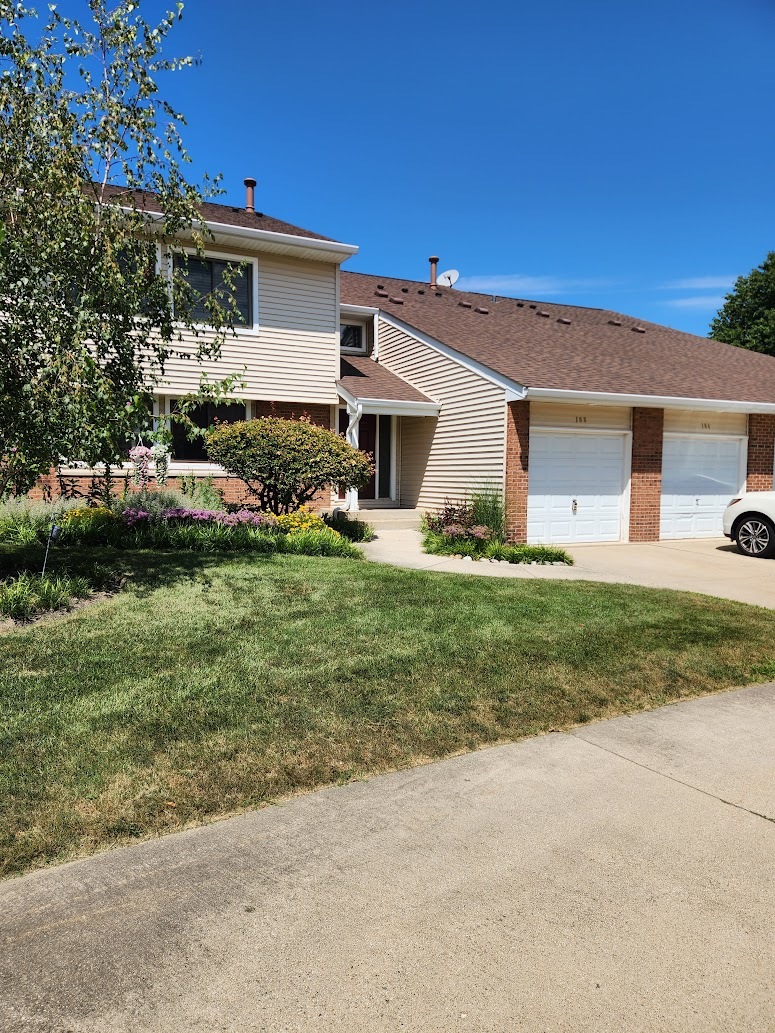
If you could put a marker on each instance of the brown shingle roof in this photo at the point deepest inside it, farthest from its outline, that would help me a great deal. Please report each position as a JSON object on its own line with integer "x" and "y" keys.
{"x": 565, "y": 347}
{"x": 227, "y": 215}
{"x": 364, "y": 378}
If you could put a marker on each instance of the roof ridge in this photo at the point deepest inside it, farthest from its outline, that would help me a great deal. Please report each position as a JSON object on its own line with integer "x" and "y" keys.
{"x": 480, "y": 294}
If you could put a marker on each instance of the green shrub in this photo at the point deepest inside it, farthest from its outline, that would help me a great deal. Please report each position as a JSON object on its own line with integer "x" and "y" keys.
{"x": 17, "y": 598}
{"x": 153, "y": 502}
{"x": 26, "y": 594}
{"x": 325, "y": 542}
{"x": 444, "y": 545}
{"x": 214, "y": 537}
{"x": 285, "y": 463}
{"x": 487, "y": 508}
{"x": 354, "y": 530}
{"x": 24, "y": 522}
{"x": 199, "y": 493}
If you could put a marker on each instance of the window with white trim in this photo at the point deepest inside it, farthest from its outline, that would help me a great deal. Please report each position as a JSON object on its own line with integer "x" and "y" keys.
{"x": 206, "y": 278}
{"x": 203, "y": 416}
{"x": 353, "y": 337}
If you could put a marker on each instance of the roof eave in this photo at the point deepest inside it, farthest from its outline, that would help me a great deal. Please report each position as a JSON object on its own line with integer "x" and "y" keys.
{"x": 389, "y": 406}
{"x": 550, "y": 394}
{"x": 333, "y": 249}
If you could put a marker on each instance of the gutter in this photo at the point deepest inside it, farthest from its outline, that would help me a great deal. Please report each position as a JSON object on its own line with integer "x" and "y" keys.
{"x": 387, "y": 406}
{"x": 332, "y": 247}
{"x": 548, "y": 394}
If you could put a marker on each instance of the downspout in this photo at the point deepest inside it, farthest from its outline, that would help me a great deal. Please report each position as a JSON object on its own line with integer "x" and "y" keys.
{"x": 355, "y": 413}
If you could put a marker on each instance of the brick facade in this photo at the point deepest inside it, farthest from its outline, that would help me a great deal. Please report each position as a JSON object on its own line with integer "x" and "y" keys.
{"x": 761, "y": 452}
{"x": 646, "y": 483}
{"x": 517, "y": 455}
{"x": 232, "y": 488}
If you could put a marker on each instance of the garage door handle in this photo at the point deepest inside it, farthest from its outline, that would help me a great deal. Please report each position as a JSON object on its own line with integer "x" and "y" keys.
{"x": 574, "y": 505}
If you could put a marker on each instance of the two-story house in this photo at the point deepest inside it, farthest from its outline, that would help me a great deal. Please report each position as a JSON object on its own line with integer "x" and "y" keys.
{"x": 594, "y": 425}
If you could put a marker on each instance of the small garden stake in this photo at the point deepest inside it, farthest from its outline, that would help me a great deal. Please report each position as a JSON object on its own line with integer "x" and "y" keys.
{"x": 53, "y": 534}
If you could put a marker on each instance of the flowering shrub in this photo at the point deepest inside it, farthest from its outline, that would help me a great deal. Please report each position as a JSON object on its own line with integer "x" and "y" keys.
{"x": 135, "y": 516}
{"x": 302, "y": 520}
{"x": 88, "y": 524}
{"x": 87, "y": 515}
{"x": 458, "y": 522}
{"x": 285, "y": 463}
{"x": 453, "y": 530}
{"x": 214, "y": 516}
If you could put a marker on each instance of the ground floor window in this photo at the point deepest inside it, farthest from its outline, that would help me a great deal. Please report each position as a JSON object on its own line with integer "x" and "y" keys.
{"x": 203, "y": 416}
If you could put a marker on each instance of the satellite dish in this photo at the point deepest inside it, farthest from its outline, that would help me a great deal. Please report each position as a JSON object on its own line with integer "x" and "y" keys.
{"x": 449, "y": 278}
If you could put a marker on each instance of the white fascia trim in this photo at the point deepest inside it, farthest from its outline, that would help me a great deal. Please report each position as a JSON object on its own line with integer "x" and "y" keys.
{"x": 333, "y": 247}
{"x": 358, "y": 310}
{"x": 388, "y": 407}
{"x": 308, "y": 243}
{"x": 548, "y": 394}
{"x": 514, "y": 392}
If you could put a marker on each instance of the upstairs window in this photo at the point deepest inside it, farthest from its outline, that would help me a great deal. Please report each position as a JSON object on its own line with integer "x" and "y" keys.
{"x": 203, "y": 416}
{"x": 205, "y": 277}
{"x": 353, "y": 337}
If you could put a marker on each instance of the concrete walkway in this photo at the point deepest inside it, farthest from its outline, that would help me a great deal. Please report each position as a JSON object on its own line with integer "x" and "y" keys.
{"x": 711, "y": 566}
{"x": 614, "y": 880}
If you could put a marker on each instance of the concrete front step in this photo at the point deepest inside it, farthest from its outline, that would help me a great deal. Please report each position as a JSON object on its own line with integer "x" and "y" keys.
{"x": 389, "y": 519}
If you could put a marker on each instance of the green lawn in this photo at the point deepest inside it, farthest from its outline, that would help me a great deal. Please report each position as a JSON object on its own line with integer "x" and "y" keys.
{"x": 214, "y": 683}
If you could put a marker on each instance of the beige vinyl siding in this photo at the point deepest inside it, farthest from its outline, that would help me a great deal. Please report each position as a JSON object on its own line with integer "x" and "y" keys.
{"x": 586, "y": 417}
{"x": 445, "y": 457}
{"x": 687, "y": 421}
{"x": 293, "y": 355}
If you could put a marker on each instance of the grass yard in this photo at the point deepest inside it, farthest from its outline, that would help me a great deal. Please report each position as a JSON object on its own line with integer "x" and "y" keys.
{"x": 215, "y": 683}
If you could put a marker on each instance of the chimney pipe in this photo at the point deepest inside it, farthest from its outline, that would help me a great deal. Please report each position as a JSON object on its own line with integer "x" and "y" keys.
{"x": 434, "y": 260}
{"x": 250, "y": 195}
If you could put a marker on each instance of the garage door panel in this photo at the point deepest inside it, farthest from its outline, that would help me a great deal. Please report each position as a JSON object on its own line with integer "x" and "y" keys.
{"x": 699, "y": 476}
{"x": 584, "y": 466}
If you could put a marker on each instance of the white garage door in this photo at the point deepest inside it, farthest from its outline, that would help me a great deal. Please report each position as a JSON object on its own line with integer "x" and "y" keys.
{"x": 699, "y": 477}
{"x": 575, "y": 486}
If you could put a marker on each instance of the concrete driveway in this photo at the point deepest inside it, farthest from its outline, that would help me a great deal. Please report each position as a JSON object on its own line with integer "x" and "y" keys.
{"x": 711, "y": 566}
{"x": 616, "y": 879}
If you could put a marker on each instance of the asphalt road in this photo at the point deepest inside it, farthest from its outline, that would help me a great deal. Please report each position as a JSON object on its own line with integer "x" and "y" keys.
{"x": 621, "y": 878}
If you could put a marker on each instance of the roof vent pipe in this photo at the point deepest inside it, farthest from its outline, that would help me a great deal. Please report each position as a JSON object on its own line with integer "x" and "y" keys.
{"x": 434, "y": 260}
{"x": 250, "y": 195}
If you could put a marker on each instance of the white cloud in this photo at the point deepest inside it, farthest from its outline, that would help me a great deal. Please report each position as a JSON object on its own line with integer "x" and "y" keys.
{"x": 699, "y": 301}
{"x": 523, "y": 286}
{"x": 701, "y": 283}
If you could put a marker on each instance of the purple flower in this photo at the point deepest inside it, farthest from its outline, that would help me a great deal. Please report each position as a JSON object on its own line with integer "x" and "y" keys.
{"x": 134, "y": 516}
{"x": 453, "y": 530}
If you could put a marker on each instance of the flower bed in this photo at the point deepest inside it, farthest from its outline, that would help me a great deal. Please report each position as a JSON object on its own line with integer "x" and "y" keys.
{"x": 455, "y": 532}
{"x": 144, "y": 523}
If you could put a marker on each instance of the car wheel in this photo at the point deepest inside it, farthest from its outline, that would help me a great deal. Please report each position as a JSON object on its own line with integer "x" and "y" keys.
{"x": 756, "y": 537}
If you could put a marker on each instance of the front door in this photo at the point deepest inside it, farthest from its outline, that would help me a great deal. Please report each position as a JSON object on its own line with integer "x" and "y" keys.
{"x": 367, "y": 442}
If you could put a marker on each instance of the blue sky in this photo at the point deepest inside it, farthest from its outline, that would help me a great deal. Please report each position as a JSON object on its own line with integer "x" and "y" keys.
{"x": 607, "y": 153}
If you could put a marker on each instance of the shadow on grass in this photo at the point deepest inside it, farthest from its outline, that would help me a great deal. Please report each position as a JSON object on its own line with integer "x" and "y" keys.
{"x": 145, "y": 570}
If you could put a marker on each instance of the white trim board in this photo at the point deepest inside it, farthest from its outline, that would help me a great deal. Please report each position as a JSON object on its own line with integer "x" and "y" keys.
{"x": 338, "y": 251}
{"x": 388, "y": 407}
{"x": 548, "y": 394}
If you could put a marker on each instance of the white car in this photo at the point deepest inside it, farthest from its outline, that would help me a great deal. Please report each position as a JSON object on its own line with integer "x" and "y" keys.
{"x": 749, "y": 520}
